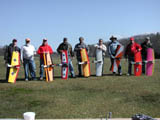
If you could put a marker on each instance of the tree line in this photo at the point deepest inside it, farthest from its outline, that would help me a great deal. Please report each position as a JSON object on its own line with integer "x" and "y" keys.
{"x": 155, "y": 40}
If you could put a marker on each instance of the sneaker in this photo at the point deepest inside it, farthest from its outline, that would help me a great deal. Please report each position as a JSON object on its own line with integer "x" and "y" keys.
{"x": 128, "y": 74}
{"x": 120, "y": 74}
{"x": 26, "y": 79}
{"x": 41, "y": 78}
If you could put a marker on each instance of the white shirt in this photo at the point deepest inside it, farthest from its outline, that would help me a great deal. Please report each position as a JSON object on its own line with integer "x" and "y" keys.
{"x": 102, "y": 47}
{"x": 27, "y": 52}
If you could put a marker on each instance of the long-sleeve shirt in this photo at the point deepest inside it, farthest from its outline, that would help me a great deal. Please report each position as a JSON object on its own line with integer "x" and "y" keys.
{"x": 44, "y": 49}
{"x": 112, "y": 46}
{"x": 102, "y": 47}
{"x": 27, "y": 52}
{"x": 131, "y": 49}
{"x": 8, "y": 52}
{"x": 78, "y": 47}
{"x": 145, "y": 46}
{"x": 65, "y": 46}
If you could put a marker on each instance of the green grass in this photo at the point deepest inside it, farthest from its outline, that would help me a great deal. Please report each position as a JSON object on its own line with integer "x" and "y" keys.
{"x": 91, "y": 97}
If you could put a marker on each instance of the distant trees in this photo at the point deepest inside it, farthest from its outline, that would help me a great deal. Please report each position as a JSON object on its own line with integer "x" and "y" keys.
{"x": 155, "y": 39}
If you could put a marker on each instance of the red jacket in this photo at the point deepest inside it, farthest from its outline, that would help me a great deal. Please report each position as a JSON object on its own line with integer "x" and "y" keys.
{"x": 132, "y": 49}
{"x": 44, "y": 48}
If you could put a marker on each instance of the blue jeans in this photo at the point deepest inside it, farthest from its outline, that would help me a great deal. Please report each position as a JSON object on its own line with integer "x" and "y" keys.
{"x": 41, "y": 68}
{"x": 69, "y": 63}
{"x": 130, "y": 59}
{"x": 29, "y": 65}
{"x": 71, "y": 69}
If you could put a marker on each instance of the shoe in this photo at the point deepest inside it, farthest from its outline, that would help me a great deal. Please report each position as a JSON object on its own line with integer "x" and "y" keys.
{"x": 120, "y": 74}
{"x": 41, "y": 78}
{"x": 114, "y": 73}
{"x": 79, "y": 75}
{"x": 128, "y": 74}
{"x": 26, "y": 79}
{"x": 73, "y": 76}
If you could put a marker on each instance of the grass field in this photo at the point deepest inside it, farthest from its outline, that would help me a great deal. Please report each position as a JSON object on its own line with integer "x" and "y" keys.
{"x": 91, "y": 97}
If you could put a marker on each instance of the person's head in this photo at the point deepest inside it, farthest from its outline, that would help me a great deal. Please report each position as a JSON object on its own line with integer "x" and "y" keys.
{"x": 65, "y": 40}
{"x": 112, "y": 38}
{"x": 131, "y": 40}
{"x": 27, "y": 40}
{"x": 147, "y": 40}
{"x": 45, "y": 41}
{"x": 100, "y": 41}
{"x": 14, "y": 41}
{"x": 81, "y": 39}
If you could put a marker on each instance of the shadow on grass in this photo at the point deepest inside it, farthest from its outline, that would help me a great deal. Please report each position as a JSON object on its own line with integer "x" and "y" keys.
{"x": 59, "y": 77}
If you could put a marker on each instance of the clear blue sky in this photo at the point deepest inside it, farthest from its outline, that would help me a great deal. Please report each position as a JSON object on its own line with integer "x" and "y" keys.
{"x": 92, "y": 19}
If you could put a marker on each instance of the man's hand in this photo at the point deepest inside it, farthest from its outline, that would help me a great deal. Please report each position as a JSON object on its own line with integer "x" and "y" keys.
{"x": 138, "y": 50}
{"x": 100, "y": 47}
{"x": 112, "y": 57}
{"x": 60, "y": 51}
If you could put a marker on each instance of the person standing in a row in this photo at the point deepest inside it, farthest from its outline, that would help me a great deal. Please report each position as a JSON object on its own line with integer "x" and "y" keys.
{"x": 77, "y": 49}
{"x": 66, "y": 46}
{"x": 112, "y": 47}
{"x": 103, "y": 48}
{"x": 8, "y": 55}
{"x": 131, "y": 49}
{"x": 44, "y": 48}
{"x": 27, "y": 57}
{"x": 145, "y": 45}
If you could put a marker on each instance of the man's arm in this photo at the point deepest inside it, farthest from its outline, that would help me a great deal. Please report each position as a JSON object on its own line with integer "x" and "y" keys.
{"x": 19, "y": 50}
{"x": 139, "y": 48}
{"x": 22, "y": 54}
{"x": 109, "y": 49}
{"x": 59, "y": 49}
{"x": 87, "y": 48}
{"x": 70, "y": 50}
{"x": 104, "y": 48}
{"x": 76, "y": 48}
{"x": 39, "y": 51}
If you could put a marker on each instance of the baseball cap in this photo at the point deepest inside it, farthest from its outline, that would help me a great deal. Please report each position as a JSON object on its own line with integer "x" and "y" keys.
{"x": 14, "y": 40}
{"x": 132, "y": 38}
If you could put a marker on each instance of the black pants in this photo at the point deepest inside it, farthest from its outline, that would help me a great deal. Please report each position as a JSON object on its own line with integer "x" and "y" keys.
{"x": 7, "y": 73}
{"x": 103, "y": 66}
{"x": 79, "y": 66}
{"x": 130, "y": 59}
{"x": 143, "y": 64}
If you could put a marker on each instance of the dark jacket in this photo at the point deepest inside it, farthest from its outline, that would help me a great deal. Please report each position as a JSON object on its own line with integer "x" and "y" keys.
{"x": 65, "y": 46}
{"x": 78, "y": 47}
{"x": 145, "y": 46}
{"x": 8, "y": 52}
